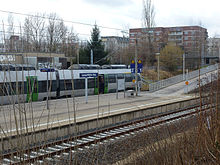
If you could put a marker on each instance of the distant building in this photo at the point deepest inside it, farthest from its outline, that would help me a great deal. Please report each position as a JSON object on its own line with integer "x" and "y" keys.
{"x": 213, "y": 50}
{"x": 192, "y": 39}
{"x": 37, "y": 60}
{"x": 115, "y": 42}
{"x": 2, "y": 48}
{"x": 115, "y": 46}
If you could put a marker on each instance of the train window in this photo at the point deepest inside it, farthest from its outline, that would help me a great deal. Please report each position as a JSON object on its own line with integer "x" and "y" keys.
{"x": 120, "y": 76}
{"x": 42, "y": 86}
{"x": 79, "y": 84}
{"x": 62, "y": 85}
{"x": 128, "y": 78}
{"x": 54, "y": 85}
{"x": 91, "y": 83}
{"x": 2, "y": 89}
{"x": 112, "y": 78}
{"x": 12, "y": 88}
{"x": 21, "y": 88}
{"x": 25, "y": 88}
{"x": 65, "y": 85}
{"x": 68, "y": 84}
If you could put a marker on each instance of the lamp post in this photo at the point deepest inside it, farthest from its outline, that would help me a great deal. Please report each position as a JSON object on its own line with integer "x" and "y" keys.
{"x": 184, "y": 77}
{"x": 158, "y": 66}
{"x": 91, "y": 58}
{"x": 136, "y": 68}
{"x": 136, "y": 63}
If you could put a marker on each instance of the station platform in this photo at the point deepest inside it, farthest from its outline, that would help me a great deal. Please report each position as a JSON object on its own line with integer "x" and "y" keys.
{"x": 35, "y": 115}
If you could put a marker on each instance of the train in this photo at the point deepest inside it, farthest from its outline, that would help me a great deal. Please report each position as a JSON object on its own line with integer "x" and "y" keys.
{"x": 32, "y": 85}
{"x": 15, "y": 67}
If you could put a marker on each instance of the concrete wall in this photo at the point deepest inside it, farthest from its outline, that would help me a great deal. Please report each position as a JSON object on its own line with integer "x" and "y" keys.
{"x": 91, "y": 124}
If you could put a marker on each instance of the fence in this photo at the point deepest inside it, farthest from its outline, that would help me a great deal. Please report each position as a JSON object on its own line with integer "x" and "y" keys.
{"x": 179, "y": 78}
{"x": 203, "y": 81}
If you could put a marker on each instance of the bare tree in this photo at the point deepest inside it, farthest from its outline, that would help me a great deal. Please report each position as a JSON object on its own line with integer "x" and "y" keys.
{"x": 56, "y": 33}
{"x": 72, "y": 44}
{"x": 148, "y": 14}
{"x": 34, "y": 30}
{"x": 11, "y": 28}
{"x": 148, "y": 23}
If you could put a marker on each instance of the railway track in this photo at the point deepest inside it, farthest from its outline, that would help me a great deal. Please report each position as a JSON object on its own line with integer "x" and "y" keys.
{"x": 67, "y": 147}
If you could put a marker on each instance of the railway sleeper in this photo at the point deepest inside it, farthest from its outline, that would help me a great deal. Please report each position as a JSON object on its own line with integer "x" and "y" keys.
{"x": 53, "y": 149}
{"x": 87, "y": 139}
{"x": 8, "y": 161}
{"x": 68, "y": 145}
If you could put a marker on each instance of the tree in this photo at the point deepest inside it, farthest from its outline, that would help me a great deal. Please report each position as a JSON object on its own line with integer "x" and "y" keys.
{"x": 148, "y": 23}
{"x": 171, "y": 57}
{"x": 34, "y": 30}
{"x": 95, "y": 44}
{"x": 72, "y": 44}
{"x": 56, "y": 33}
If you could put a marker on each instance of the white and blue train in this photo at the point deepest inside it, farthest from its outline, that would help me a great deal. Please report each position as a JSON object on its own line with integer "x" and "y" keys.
{"x": 25, "y": 86}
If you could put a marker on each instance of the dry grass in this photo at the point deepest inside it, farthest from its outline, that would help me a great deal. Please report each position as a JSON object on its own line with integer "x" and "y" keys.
{"x": 197, "y": 145}
{"x": 152, "y": 74}
{"x": 195, "y": 140}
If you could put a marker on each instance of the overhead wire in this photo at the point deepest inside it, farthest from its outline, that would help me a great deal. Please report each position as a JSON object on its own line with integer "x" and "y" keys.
{"x": 57, "y": 19}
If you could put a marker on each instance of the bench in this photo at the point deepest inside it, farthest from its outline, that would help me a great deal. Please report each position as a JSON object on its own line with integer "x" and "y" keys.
{"x": 130, "y": 92}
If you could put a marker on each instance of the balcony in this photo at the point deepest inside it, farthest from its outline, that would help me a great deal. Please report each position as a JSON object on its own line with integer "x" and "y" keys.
{"x": 175, "y": 34}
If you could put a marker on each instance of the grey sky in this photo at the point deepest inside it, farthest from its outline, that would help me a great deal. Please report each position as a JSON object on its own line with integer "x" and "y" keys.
{"x": 110, "y": 3}
{"x": 122, "y": 14}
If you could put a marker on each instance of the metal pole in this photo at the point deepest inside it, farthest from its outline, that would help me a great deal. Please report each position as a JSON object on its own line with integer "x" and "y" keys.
{"x": 91, "y": 62}
{"x": 139, "y": 87}
{"x": 187, "y": 74}
{"x": 47, "y": 91}
{"x": 77, "y": 55}
{"x": 116, "y": 86}
{"x": 158, "y": 68}
{"x": 124, "y": 86}
{"x": 86, "y": 89}
{"x": 136, "y": 69}
{"x": 184, "y": 67}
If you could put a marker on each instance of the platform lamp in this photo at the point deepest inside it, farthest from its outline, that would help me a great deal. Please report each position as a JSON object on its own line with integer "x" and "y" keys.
{"x": 158, "y": 66}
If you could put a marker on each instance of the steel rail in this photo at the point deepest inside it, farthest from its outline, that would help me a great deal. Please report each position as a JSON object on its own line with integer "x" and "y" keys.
{"x": 30, "y": 159}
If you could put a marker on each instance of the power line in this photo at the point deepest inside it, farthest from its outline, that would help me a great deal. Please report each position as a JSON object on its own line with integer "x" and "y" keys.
{"x": 16, "y": 26}
{"x": 44, "y": 17}
{"x": 24, "y": 34}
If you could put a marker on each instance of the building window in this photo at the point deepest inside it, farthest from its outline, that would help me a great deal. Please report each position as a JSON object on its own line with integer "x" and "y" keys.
{"x": 186, "y": 38}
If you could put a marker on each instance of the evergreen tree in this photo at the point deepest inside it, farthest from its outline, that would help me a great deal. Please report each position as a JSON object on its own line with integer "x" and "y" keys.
{"x": 95, "y": 44}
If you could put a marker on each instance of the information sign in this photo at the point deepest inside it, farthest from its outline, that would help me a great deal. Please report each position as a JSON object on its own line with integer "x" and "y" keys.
{"x": 86, "y": 75}
{"x": 47, "y": 70}
{"x": 139, "y": 66}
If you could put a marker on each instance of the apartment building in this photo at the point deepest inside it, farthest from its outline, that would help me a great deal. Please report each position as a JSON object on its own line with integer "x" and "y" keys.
{"x": 115, "y": 42}
{"x": 192, "y": 39}
{"x": 213, "y": 53}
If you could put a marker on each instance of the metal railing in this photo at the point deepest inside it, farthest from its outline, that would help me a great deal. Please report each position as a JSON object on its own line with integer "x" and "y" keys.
{"x": 179, "y": 78}
{"x": 203, "y": 81}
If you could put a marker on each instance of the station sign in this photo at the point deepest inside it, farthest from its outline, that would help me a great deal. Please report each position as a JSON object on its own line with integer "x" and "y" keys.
{"x": 47, "y": 70}
{"x": 86, "y": 75}
{"x": 139, "y": 66}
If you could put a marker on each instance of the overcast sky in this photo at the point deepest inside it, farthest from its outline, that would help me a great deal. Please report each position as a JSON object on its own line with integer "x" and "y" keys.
{"x": 121, "y": 14}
